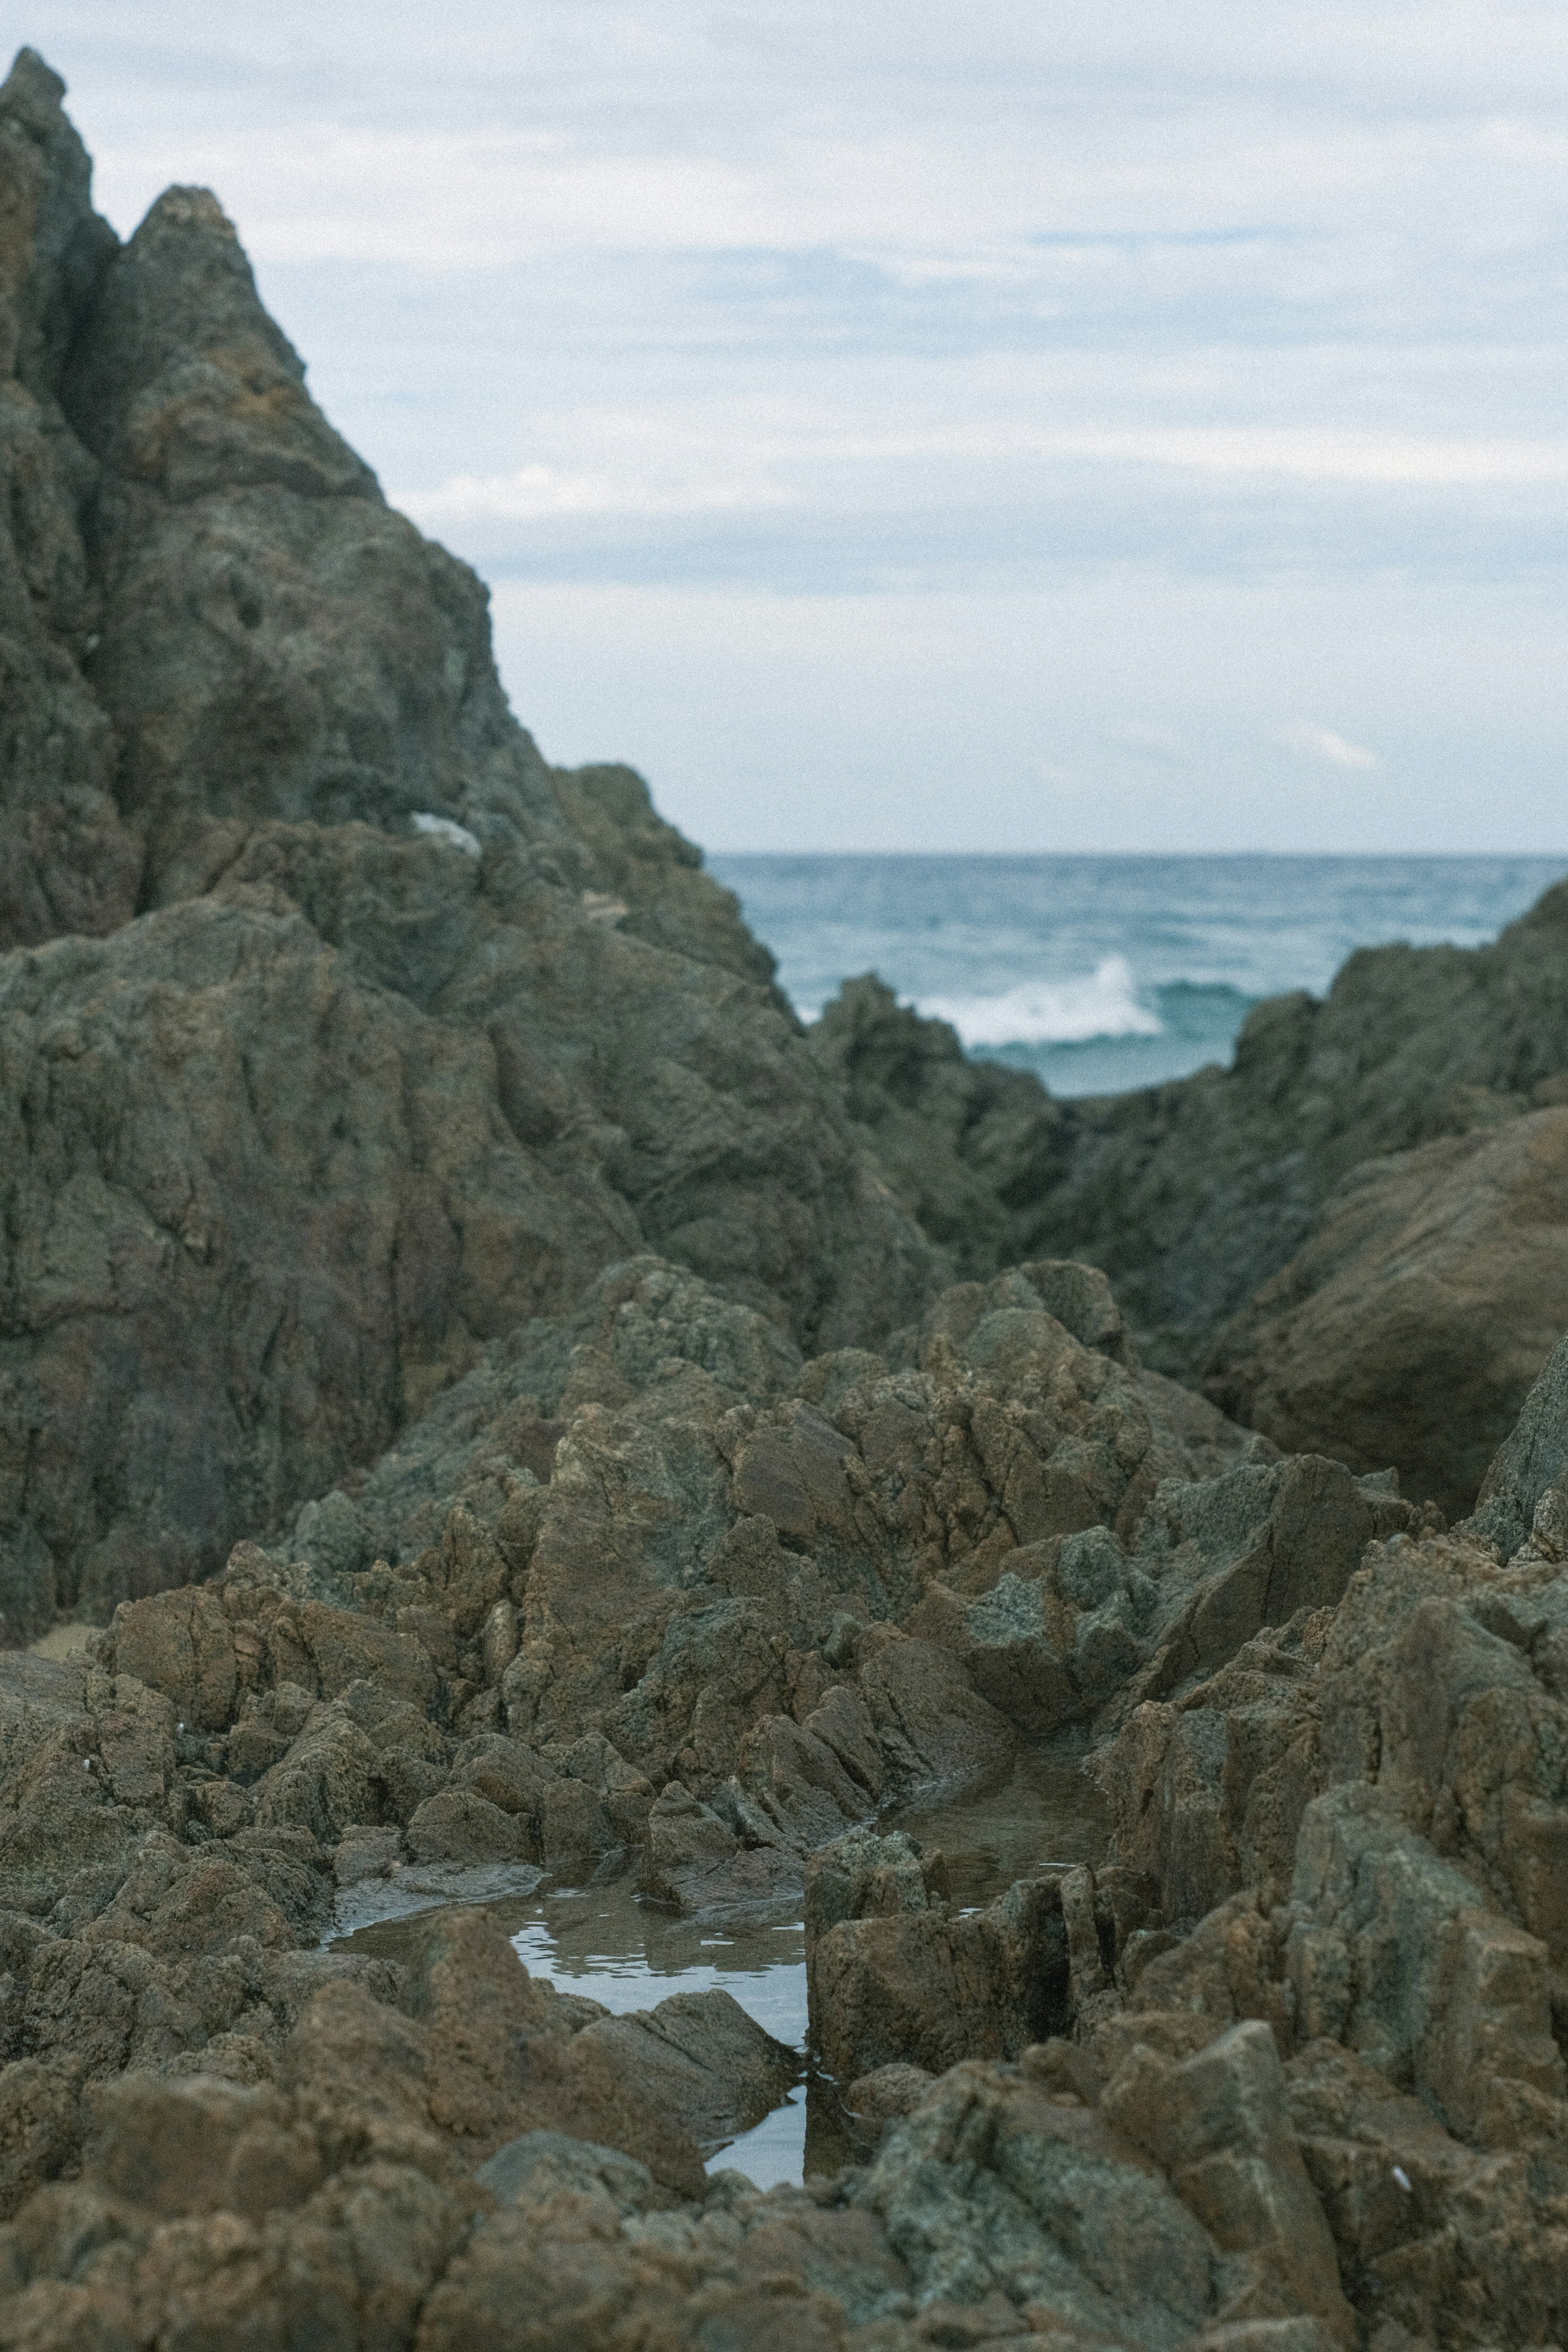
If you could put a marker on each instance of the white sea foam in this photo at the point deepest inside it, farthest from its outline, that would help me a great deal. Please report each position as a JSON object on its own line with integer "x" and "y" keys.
{"x": 1103, "y": 1004}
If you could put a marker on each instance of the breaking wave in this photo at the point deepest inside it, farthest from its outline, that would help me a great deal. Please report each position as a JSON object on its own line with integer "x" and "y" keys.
{"x": 1104, "y": 1003}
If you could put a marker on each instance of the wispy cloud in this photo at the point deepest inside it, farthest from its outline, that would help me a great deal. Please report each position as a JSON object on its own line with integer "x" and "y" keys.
{"x": 1322, "y": 743}
{"x": 536, "y": 493}
{"x": 919, "y": 387}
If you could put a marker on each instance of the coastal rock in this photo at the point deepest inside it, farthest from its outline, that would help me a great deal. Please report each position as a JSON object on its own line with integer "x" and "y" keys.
{"x": 67, "y": 859}
{"x": 564, "y": 2262}
{"x": 1194, "y": 1195}
{"x": 1521, "y": 1498}
{"x": 1467, "y": 2015}
{"x": 1446, "y": 2243}
{"x": 1219, "y": 2126}
{"x": 884, "y": 2096}
{"x": 436, "y": 1251}
{"x": 957, "y": 1139}
{"x": 1409, "y": 1327}
{"x": 1409, "y": 1045}
{"x": 1208, "y": 1791}
{"x": 893, "y": 1978}
{"x": 329, "y": 1031}
{"x": 697, "y": 2060}
{"x": 1001, "y": 2194}
{"x": 1227, "y": 1557}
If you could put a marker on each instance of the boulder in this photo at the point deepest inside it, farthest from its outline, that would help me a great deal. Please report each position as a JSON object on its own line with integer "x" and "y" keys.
{"x": 892, "y": 1978}
{"x": 460, "y": 1826}
{"x": 699, "y": 2060}
{"x": 1193, "y": 1196}
{"x": 1528, "y": 1470}
{"x": 996, "y": 2187}
{"x": 1219, "y": 2125}
{"x": 874, "y": 2101}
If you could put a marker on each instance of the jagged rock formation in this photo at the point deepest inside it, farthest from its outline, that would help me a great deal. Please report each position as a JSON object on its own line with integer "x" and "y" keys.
{"x": 411, "y": 1033}
{"x": 1432, "y": 1288}
{"x": 1329, "y": 1233}
{"x": 411, "y": 1172}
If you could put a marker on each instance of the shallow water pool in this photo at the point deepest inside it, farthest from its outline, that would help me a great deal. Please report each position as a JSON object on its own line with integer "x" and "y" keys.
{"x": 606, "y": 1940}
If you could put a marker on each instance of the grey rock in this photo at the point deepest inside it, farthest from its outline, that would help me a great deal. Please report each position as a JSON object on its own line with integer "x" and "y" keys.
{"x": 1530, "y": 1463}
{"x": 1410, "y": 1326}
{"x": 1194, "y": 1198}
{"x": 992, "y": 2188}
{"x": 538, "y": 2164}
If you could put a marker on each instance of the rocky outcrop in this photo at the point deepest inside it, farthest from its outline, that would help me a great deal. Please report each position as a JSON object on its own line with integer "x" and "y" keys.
{"x": 644, "y": 1579}
{"x": 411, "y": 1036}
{"x": 966, "y": 1145}
{"x": 1355, "y": 1228}
{"x": 69, "y": 862}
{"x": 412, "y": 1174}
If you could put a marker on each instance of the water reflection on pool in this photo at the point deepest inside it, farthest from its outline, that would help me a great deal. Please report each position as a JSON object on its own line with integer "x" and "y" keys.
{"x": 606, "y": 1940}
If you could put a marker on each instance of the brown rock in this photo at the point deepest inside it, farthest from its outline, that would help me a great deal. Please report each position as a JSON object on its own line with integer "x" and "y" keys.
{"x": 1219, "y": 2124}
{"x": 303, "y": 926}
{"x": 199, "y": 2146}
{"x": 884, "y": 2096}
{"x": 699, "y": 2060}
{"x": 906, "y": 1983}
{"x": 181, "y": 1644}
{"x": 40, "y": 2125}
{"x": 461, "y": 1826}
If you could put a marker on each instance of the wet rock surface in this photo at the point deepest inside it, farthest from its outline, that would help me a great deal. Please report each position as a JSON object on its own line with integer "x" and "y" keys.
{"x": 521, "y": 1414}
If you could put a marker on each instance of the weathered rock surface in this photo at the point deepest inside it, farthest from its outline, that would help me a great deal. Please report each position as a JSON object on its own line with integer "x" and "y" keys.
{"x": 1521, "y": 1506}
{"x": 698, "y": 2061}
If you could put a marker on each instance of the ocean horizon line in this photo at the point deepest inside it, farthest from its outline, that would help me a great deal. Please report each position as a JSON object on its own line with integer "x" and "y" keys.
{"x": 1172, "y": 857}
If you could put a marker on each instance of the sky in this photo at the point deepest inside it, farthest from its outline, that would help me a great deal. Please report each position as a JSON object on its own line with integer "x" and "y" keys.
{"x": 939, "y": 426}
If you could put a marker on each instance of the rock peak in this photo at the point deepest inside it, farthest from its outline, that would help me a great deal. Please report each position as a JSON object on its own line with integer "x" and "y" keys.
{"x": 54, "y": 247}
{"x": 33, "y": 90}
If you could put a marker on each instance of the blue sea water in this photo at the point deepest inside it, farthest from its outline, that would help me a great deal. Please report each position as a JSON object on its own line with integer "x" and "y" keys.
{"x": 1102, "y": 973}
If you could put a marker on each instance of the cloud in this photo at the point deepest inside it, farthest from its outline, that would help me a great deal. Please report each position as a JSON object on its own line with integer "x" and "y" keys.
{"x": 537, "y": 493}
{"x": 1322, "y": 743}
{"x": 1295, "y": 452}
{"x": 1310, "y": 453}
{"x": 1017, "y": 368}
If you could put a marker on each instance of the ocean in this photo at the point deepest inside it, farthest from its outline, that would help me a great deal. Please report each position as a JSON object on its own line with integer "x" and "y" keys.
{"x": 1103, "y": 973}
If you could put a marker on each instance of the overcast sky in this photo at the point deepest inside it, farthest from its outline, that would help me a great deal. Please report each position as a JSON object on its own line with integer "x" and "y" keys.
{"x": 961, "y": 426}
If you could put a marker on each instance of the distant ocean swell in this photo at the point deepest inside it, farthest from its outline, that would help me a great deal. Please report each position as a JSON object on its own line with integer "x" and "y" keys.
{"x": 1105, "y": 973}
{"x": 1099, "y": 1034}
{"x": 1075, "y": 1050}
